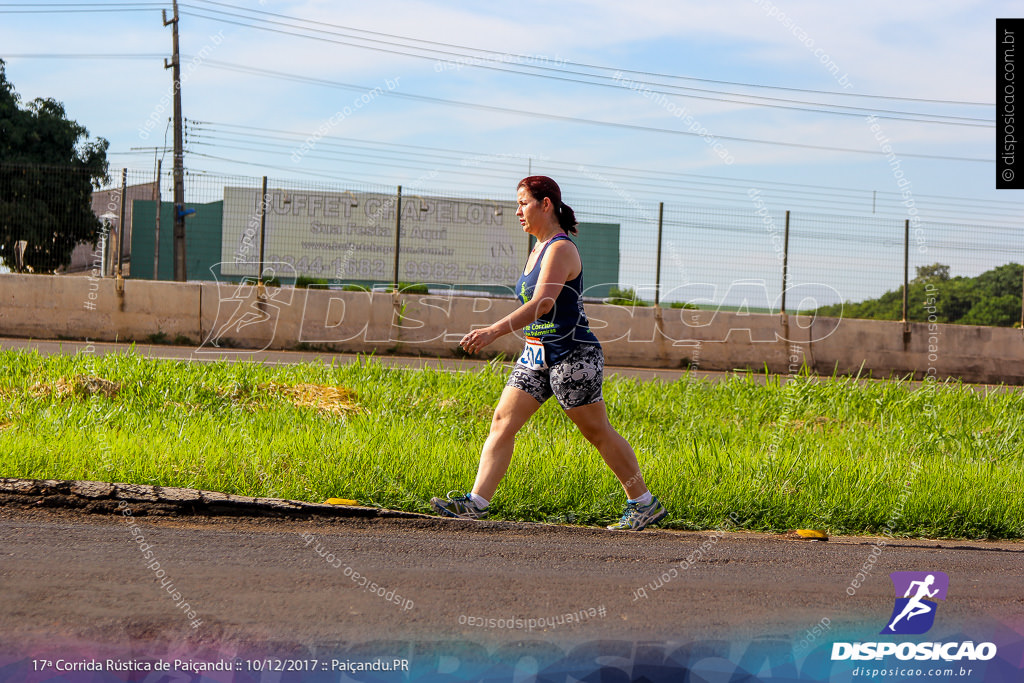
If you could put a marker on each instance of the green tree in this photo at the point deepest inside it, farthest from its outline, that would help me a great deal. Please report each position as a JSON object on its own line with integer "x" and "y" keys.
{"x": 1005, "y": 279}
{"x": 48, "y": 170}
{"x": 936, "y": 271}
{"x": 1002, "y": 311}
{"x": 992, "y": 298}
{"x": 625, "y": 296}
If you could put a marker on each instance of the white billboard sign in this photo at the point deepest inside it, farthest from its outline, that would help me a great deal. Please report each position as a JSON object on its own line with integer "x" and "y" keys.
{"x": 351, "y": 236}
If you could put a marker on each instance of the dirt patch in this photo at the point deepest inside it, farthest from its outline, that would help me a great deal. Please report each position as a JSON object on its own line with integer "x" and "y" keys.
{"x": 83, "y": 386}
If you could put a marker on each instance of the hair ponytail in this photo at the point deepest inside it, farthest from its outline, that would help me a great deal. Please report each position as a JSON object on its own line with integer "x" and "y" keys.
{"x": 567, "y": 218}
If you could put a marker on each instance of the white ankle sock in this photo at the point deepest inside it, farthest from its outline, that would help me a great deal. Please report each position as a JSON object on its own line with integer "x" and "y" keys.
{"x": 479, "y": 501}
{"x": 644, "y": 499}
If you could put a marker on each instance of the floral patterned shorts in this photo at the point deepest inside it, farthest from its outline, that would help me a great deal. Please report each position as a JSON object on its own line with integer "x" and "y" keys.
{"x": 574, "y": 381}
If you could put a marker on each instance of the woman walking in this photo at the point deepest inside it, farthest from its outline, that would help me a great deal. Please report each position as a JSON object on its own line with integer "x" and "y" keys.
{"x": 562, "y": 358}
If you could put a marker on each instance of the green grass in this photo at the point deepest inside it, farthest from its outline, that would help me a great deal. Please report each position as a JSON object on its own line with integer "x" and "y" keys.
{"x": 833, "y": 454}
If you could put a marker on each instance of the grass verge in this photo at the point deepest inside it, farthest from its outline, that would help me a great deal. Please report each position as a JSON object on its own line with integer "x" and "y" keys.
{"x": 835, "y": 454}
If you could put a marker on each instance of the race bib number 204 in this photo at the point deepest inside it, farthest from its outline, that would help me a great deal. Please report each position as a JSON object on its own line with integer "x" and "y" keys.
{"x": 533, "y": 355}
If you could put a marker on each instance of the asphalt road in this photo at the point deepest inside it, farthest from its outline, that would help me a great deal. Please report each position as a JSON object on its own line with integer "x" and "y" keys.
{"x": 73, "y": 580}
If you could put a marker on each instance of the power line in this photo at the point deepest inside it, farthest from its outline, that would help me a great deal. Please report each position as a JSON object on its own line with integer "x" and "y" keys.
{"x": 645, "y": 87}
{"x": 616, "y": 81}
{"x": 643, "y": 173}
{"x": 40, "y": 6}
{"x": 851, "y": 111}
{"x": 54, "y": 8}
{"x": 591, "y": 208}
{"x": 500, "y": 56}
{"x": 491, "y": 55}
{"x": 134, "y": 6}
{"x": 571, "y": 119}
{"x": 641, "y": 182}
{"x": 79, "y": 8}
{"x": 85, "y": 55}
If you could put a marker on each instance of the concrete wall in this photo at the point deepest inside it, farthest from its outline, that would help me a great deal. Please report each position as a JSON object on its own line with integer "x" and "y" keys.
{"x": 245, "y": 317}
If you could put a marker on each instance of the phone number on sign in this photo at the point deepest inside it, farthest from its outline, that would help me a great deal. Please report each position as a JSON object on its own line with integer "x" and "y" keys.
{"x": 337, "y": 267}
{"x": 381, "y": 269}
{"x": 450, "y": 272}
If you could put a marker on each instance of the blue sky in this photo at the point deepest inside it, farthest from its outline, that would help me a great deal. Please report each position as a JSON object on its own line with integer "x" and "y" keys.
{"x": 915, "y": 49}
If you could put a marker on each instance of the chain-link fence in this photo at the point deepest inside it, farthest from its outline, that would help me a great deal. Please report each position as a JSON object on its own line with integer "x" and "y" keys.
{"x": 761, "y": 259}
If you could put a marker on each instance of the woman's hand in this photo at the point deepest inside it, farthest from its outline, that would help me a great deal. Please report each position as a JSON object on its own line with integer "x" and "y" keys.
{"x": 478, "y": 339}
{"x": 561, "y": 264}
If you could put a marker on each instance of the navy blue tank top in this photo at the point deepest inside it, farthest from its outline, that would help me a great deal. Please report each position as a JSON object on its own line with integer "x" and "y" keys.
{"x": 565, "y": 326}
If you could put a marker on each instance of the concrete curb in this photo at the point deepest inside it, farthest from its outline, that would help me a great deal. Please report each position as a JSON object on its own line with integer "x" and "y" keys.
{"x": 109, "y": 498}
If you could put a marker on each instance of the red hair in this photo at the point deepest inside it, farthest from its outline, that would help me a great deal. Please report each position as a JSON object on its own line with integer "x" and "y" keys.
{"x": 541, "y": 187}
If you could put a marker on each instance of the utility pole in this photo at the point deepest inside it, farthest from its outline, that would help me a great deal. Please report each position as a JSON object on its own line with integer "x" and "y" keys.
{"x": 179, "y": 156}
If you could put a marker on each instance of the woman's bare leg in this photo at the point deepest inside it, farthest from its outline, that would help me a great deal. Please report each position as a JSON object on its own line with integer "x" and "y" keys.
{"x": 514, "y": 408}
{"x": 592, "y": 420}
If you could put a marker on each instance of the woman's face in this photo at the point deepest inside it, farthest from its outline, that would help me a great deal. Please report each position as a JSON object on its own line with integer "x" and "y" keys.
{"x": 530, "y": 212}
